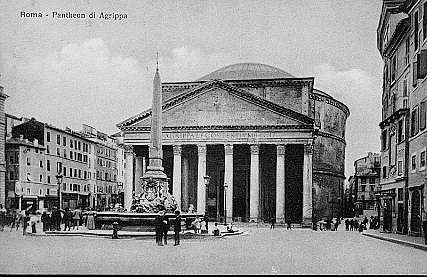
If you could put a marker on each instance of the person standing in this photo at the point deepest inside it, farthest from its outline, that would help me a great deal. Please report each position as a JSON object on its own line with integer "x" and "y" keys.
{"x": 45, "y": 220}
{"x": 165, "y": 229}
{"x": 273, "y": 221}
{"x": 206, "y": 219}
{"x": 177, "y": 227}
{"x": 425, "y": 228}
{"x": 2, "y": 217}
{"x": 288, "y": 224}
{"x": 90, "y": 223}
{"x": 158, "y": 226}
{"x": 25, "y": 220}
{"x": 68, "y": 217}
{"x": 77, "y": 214}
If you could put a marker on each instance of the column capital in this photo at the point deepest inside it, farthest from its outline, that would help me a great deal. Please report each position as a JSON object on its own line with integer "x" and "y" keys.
{"x": 177, "y": 150}
{"x": 255, "y": 149}
{"x": 281, "y": 149}
{"x": 308, "y": 149}
{"x": 128, "y": 148}
{"x": 201, "y": 149}
{"x": 228, "y": 148}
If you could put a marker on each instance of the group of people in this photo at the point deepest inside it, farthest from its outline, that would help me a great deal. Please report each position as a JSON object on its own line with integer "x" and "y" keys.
{"x": 354, "y": 225}
{"x": 51, "y": 219}
{"x": 162, "y": 226}
{"x": 200, "y": 225}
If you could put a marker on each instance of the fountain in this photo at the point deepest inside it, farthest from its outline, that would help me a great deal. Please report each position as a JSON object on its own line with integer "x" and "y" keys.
{"x": 154, "y": 196}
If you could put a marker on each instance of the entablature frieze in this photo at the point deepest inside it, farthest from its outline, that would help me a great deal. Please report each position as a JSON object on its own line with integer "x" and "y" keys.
{"x": 222, "y": 137}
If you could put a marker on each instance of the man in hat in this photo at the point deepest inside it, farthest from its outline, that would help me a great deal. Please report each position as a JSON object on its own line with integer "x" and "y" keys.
{"x": 165, "y": 228}
{"x": 158, "y": 226}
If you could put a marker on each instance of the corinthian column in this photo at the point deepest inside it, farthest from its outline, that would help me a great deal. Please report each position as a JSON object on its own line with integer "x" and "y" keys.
{"x": 280, "y": 184}
{"x": 201, "y": 173}
{"x": 177, "y": 174}
{"x": 307, "y": 180}
{"x": 254, "y": 184}
{"x": 228, "y": 179}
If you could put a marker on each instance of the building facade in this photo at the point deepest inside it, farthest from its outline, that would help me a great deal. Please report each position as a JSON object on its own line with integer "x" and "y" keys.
{"x": 272, "y": 145}
{"x": 365, "y": 183}
{"x": 66, "y": 153}
{"x": 402, "y": 42}
{"x": 3, "y": 97}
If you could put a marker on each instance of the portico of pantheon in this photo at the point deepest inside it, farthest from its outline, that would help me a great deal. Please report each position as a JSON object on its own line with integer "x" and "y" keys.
{"x": 272, "y": 145}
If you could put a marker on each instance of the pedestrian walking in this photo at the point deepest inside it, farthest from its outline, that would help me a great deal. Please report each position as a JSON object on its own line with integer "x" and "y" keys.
{"x": 33, "y": 222}
{"x": 351, "y": 224}
{"x": 77, "y": 214}
{"x": 197, "y": 225}
{"x": 347, "y": 224}
{"x": 68, "y": 217}
{"x": 425, "y": 230}
{"x": 177, "y": 227}
{"x": 273, "y": 221}
{"x": 216, "y": 231}
{"x": 203, "y": 227}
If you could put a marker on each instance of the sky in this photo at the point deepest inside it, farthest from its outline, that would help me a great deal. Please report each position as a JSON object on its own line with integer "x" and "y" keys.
{"x": 98, "y": 71}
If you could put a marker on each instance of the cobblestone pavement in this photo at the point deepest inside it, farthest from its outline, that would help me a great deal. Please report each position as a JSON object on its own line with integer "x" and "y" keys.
{"x": 262, "y": 251}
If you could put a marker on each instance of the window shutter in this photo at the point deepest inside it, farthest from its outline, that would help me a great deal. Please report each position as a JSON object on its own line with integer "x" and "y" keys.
{"x": 422, "y": 64}
{"x": 414, "y": 73}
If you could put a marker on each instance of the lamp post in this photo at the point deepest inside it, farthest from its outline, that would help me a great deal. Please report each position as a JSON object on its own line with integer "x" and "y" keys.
{"x": 59, "y": 182}
{"x": 207, "y": 180}
{"x": 225, "y": 203}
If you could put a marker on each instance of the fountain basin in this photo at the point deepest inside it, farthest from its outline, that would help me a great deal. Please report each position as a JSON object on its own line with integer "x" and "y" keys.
{"x": 143, "y": 222}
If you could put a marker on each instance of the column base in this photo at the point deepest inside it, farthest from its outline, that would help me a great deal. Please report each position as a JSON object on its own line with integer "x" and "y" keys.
{"x": 280, "y": 220}
{"x": 307, "y": 222}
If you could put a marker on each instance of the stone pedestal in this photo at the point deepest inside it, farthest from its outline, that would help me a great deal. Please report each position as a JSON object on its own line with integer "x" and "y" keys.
{"x": 254, "y": 184}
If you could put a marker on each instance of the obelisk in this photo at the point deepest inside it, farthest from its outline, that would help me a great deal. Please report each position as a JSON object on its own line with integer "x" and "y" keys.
{"x": 155, "y": 167}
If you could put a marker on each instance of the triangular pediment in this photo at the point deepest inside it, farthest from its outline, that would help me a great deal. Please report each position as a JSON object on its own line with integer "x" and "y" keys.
{"x": 216, "y": 103}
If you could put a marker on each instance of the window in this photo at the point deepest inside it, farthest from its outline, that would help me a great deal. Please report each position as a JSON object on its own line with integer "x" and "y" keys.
{"x": 65, "y": 171}
{"x": 47, "y": 191}
{"x": 384, "y": 140}
{"x": 41, "y": 164}
{"x": 59, "y": 167}
{"x": 405, "y": 88}
{"x": 48, "y": 136}
{"x": 28, "y": 161}
{"x": 58, "y": 152}
{"x": 71, "y": 143}
{"x": 407, "y": 43}
{"x": 48, "y": 179}
{"x": 28, "y": 191}
{"x": 75, "y": 172}
{"x": 41, "y": 178}
{"x": 423, "y": 113}
{"x": 372, "y": 187}
{"x": 11, "y": 175}
{"x": 414, "y": 122}
{"x": 64, "y": 141}
{"x": 400, "y": 194}
{"x": 85, "y": 174}
{"x": 58, "y": 139}
{"x": 48, "y": 165}
{"x": 416, "y": 31}
{"x": 85, "y": 158}
{"x": 400, "y": 168}
{"x": 363, "y": 180}
{"x": 393, "y": 68}
{"x": 400, "y": 134}
{"x": 71, "y": 154}
{"x": 80, "y": 145}
{"x": 47, "y": 149}
{"x": 80, "y": 173}
{"x": 413, "y": 162}
{"x": 423, "y": 159}
{"x": 64, "y": 186}
{"x": 71, "y": 172}
{"x": 384, "y": 172}
{"x": 371, "y": 180}
{"x": 425, "y": 20}
{"x": 65, "y": 153}
{"x": 414, "y": 74}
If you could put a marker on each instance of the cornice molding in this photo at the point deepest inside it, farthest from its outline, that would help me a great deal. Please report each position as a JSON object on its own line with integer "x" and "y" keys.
{"x": 223, "y": 127}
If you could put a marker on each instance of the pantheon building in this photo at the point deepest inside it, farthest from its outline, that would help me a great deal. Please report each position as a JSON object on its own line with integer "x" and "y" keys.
{"x": 271, "y": 144}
